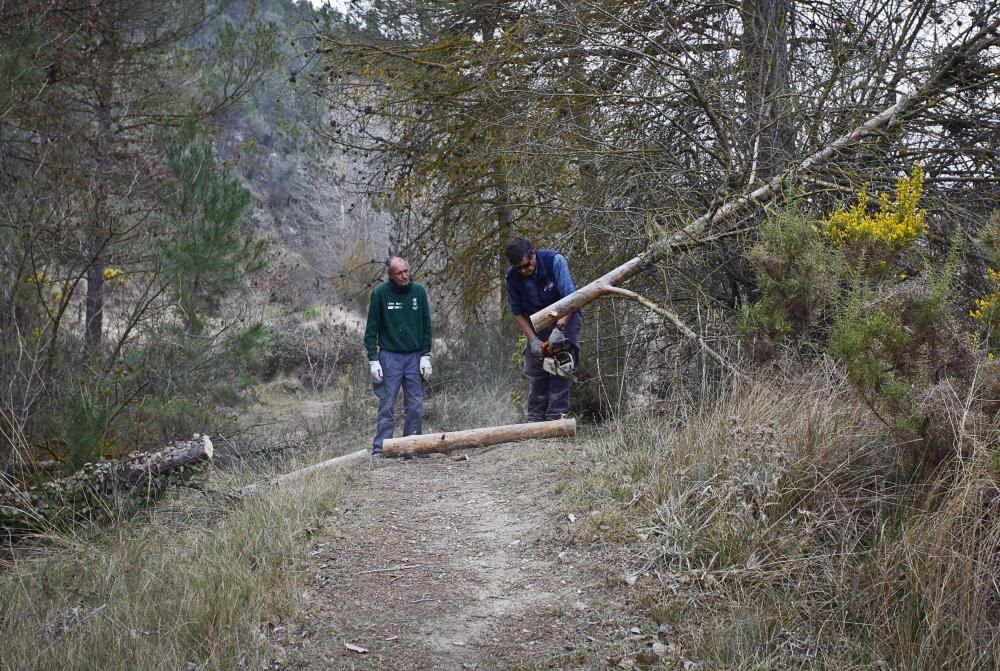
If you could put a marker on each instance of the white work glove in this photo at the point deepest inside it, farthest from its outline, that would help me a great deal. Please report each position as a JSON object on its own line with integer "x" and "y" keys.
{"x": 376, "y": 368}
{"x": 425, "y": 367}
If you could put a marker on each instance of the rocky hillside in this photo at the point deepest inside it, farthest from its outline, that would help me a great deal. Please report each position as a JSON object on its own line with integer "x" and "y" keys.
{"x": 308, "y": 196}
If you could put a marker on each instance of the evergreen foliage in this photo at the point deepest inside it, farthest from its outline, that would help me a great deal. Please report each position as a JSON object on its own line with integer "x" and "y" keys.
{"x": 797, "y": 278}
{"x": 87, "y": 417}
{"x": 205, "y": 255}
{"x": 95, "y": 234}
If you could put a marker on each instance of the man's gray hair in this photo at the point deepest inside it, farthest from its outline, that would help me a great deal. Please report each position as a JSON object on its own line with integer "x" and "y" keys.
{"x": 393, "y": 257}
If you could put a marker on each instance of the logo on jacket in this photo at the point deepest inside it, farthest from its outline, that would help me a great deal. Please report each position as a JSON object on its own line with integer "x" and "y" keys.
{"x": 415, "y": 304}
{"x": 549, "y": 285}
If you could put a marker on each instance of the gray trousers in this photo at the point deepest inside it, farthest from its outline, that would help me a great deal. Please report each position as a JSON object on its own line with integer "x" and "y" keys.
{"x": 548, "y": 395}
{"x": 398, "y": 370}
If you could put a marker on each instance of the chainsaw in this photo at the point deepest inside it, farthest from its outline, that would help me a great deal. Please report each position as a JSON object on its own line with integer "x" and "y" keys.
{"x": 559, "y": 360}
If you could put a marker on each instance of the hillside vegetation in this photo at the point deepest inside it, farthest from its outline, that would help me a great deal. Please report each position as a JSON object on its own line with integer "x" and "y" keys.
{"x": 767, "y": 528}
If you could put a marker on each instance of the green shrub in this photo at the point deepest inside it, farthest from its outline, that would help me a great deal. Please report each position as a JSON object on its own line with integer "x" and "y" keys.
{"x": 797, "y": 277}
{"x": 840, "y": 283}
{"x": 897, "y": 342}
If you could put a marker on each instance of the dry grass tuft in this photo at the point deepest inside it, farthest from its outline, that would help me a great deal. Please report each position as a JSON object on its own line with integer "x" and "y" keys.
{"x": 471, "y": 385}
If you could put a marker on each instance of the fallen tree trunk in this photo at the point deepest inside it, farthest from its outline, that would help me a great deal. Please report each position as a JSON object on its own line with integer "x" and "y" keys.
{"x": 93, "y": 488}
{"x": 492, "y": 435}
{"x": 329, "y": 464}
{"x": 426, "y": 443}
{"x": 142, "y": 467}
{"x": 958, "y": 56}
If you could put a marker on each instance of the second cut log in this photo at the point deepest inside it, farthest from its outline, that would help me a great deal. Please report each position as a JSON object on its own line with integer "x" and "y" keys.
{"x": 491, "y": 435}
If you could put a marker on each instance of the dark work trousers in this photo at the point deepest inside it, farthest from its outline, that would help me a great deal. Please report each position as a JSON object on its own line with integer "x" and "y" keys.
{"x": 548, "y": 395}
{"x": 398, "y": 370}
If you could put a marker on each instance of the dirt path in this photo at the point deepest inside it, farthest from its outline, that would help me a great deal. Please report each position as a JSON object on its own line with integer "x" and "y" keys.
{"x": 454, "y": 564}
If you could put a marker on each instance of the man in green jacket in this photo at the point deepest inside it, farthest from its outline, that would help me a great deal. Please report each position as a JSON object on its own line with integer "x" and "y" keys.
{"x": 398, "y": 340}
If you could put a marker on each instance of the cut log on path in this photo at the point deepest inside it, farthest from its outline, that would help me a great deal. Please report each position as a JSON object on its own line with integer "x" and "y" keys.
{"x": 329, "y": 464}
{"x": 427, "y": 443}
{"x": 491, "y": 435}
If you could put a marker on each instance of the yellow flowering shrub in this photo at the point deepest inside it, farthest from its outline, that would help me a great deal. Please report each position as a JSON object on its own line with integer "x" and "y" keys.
{"x": 987, "y": 309}
{"x": 895, "y": 225}
{"x": 115, "y": 276}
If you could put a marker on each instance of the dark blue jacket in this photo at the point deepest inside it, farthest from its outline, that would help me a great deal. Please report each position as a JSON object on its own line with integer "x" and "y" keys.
{"x": 550, "y": 282}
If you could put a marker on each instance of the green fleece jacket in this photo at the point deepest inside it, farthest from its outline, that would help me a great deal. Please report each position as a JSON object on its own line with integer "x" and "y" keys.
{"x": 398, "y": 322}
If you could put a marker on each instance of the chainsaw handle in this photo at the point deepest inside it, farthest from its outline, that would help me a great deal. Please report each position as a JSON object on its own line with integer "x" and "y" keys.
{"x": 547, "y": 350}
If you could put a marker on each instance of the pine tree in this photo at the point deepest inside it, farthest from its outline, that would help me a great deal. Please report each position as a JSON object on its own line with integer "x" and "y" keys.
{"x": 205, "y": 256}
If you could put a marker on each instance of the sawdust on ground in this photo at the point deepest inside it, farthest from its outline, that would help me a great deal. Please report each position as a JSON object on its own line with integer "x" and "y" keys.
{"x": 457, "y": 563}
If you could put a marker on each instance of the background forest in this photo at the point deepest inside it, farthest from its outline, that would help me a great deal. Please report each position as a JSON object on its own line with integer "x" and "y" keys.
{"x": 196, "y": 197}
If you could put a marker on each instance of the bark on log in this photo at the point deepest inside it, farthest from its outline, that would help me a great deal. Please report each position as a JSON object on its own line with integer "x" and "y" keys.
{"x": 492, "y": 435}
{"x": 152, "y": 465}
{"x": 135, "y": 469}
{"x": 934, "y": 85}
{"x": 329, "y": 464}
{"x": 24, "y": 508}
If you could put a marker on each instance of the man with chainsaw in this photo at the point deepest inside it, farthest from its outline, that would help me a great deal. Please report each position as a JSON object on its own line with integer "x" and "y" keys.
{"x": 536, "y": 279}
{"x": 398, "y": 340}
